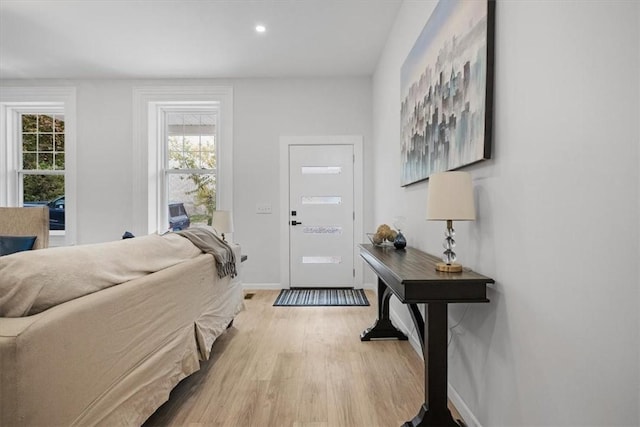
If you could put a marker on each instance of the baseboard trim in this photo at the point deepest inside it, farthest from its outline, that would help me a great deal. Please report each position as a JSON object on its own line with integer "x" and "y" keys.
{"x": 261, "y": 286}
{"x": 461, "y": 406}
{"x": 468, "y": 417}
{"x": 371, "y": 286}
{"x": 409, "y": 330}
{"x": 278, "y": 286}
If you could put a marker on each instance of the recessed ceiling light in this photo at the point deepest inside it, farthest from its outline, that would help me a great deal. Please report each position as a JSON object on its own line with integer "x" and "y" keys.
{"x": 260, "y": 28}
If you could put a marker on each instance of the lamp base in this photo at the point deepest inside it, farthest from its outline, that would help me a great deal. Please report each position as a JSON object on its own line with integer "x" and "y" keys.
{"x": 449, "y": 268}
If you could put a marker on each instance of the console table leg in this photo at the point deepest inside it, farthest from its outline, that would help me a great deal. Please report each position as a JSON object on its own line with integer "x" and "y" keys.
{"x": 383, "y": 328}
{"x": 434, "y": 411}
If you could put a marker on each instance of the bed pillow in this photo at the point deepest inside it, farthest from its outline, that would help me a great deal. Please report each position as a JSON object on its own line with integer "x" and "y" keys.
{"x": 12, "y": 244}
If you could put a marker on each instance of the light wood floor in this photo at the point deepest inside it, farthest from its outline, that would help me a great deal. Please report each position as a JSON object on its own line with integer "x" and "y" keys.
{"x": 299, "y": 367}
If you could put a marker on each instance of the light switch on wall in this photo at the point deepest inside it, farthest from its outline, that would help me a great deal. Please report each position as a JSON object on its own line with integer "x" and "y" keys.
{"x": 263, "y": 208}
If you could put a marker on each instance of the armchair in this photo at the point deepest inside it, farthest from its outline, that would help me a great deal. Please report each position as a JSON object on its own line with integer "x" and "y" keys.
{"x": 30, "y": 221}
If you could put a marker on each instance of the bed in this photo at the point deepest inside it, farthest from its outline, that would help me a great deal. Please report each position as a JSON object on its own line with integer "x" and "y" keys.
{"x": 111, "y": 356}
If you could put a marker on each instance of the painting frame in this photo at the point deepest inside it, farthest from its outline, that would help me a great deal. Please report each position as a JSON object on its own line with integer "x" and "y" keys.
{"x": 446, "y": 91}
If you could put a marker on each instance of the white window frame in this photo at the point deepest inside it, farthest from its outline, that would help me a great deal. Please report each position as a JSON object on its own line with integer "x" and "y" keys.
{"x": 15, "y": 101}
{"x": 148, "y": 143}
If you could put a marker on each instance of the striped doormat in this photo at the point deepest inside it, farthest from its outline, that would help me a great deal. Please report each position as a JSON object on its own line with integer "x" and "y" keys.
{"x": 321, "y": 297}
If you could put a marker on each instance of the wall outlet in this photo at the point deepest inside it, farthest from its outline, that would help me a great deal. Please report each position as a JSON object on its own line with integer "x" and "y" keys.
{"x": 263, "y": 208}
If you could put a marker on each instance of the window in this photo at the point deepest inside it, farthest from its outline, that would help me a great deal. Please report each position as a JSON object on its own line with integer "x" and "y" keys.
{"x": 182, "y": 154}
{"x": 37, "y": 154}
{"x": 189, "y": 165}
{"x": 41, "y": 167}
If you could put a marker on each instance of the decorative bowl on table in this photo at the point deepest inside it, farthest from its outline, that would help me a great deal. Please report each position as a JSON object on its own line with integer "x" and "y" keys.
{"x": 376, "y": 241}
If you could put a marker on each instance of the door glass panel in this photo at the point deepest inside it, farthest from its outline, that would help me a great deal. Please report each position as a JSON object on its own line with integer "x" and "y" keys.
{"x": 322, "y": 230}
{"x": 321, "y": 200}
{"x": 321, "y": 260}
{"x": 321, "y": 170}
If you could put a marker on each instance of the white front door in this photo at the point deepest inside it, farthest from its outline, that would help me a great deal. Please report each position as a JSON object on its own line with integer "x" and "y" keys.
{"x": 321, "y": 215}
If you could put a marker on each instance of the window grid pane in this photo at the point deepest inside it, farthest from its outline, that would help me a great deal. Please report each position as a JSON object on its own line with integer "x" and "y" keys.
{"x": 42, "y": 142}
{"x": 195, "y": 192}
{"x": 191, "y": 141}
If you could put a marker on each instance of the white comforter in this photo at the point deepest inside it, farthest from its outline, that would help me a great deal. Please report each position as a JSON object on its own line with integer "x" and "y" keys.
{"x": 33, "y": 281}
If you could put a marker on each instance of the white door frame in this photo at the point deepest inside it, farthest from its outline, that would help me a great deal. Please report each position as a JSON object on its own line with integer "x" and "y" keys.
{"x": 285, "y": 142}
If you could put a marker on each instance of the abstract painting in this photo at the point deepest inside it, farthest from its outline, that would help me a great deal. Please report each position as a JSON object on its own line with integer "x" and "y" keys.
{"x": 447, "y": 91}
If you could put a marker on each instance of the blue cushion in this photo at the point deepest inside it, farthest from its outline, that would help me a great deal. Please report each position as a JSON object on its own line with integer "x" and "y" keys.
{"x": 13, "y": 244}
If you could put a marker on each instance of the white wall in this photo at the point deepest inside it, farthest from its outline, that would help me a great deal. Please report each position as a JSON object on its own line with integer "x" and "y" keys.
{"x": 558, "y": 215}
{"x": 264, "y": 109}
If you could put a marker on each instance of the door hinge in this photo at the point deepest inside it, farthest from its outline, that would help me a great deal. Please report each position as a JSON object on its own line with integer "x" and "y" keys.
{"x": 354, "y": 215}
{"x": 354, "y": 272}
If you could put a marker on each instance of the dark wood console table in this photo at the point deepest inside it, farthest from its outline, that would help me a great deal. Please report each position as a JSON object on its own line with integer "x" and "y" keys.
{"x": 411, "y": 276}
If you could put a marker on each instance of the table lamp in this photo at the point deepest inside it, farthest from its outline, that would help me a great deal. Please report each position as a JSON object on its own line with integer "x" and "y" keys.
{"x": 222, "y": 222}
{"x": 450, "y": 198}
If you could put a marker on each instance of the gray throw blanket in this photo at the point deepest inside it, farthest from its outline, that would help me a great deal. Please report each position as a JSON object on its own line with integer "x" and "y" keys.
{"x": 208, "y": 242}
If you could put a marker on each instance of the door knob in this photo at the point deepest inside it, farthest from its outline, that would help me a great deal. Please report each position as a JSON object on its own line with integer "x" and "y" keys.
{"x": 295, "y": 222}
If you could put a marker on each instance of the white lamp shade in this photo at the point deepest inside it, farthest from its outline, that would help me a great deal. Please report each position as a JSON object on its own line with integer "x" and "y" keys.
{"x": 223, "y": 221}
{"x": 450, "y": 197}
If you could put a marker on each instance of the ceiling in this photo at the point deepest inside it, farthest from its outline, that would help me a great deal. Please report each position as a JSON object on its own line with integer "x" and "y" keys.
{"x": 192, "y": 38}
